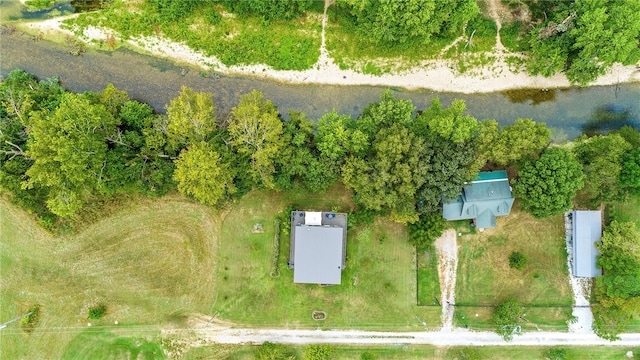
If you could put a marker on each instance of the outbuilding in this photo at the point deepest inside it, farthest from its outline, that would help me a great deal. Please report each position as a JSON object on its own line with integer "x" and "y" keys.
{"x": 586, "y": 232}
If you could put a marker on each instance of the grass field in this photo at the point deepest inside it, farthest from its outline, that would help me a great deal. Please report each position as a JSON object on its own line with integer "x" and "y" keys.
{"x": 378, "y": 289}
{"x": 401, "y": 352}
{"x": 148, "y": 263}
{"x": 485, "y": 278}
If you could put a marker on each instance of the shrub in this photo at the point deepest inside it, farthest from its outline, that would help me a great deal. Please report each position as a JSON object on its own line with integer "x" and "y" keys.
{"x": 271, "y": 351}
{"x": 318, "y": 352}
{"x": 556, "y": 353}
{"x": 517, "y": 260}
{"x": 464, "y": 353}
{"x": 367, "y": 356}
{"x": 29, "y": 323}
{"x": 97, "y": 311}
{"x": 426, "y": 230}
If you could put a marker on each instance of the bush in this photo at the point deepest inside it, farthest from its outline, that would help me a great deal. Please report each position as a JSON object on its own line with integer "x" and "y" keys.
{"x": 271, "y": 351}
{"x": 29, "y": 323}
{"x": 517, "y": 260}
{"x": 507, "y": 318}
{"x": 97, "y": 311}
{"x": 556, "y": 353}
{"x": 465, "y": 353}
{"x": 367, "y": 356}
{"x": 318, "y": 352}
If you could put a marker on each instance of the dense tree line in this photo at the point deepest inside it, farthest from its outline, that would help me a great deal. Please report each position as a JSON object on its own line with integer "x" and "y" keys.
{"x": 60, "y": 150}
{"x": 583, "y": 38}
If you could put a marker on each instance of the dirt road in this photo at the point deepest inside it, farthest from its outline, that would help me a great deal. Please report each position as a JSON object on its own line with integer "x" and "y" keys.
{"x": 441, "y": 338}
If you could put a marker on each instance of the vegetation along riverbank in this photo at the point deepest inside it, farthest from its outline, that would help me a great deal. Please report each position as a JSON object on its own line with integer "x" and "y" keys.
{"x": 491, "y": 47}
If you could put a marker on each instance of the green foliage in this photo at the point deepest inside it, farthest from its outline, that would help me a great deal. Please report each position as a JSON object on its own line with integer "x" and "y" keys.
{"x": 269, "y": 9}
{"x": 367, "y": 356}
{"x": 517, "y": 260}
{"x": 69, "y": 152}
{"x": 450, "y": 123}
{"x": 202, "y": 173}
{"x": 318, "y": 352}
{"x": 511, "y": 143}
{"x": 273, "y": 351}
{"x": 426, "y": 230}
{"x": 620, "y": 260}
{"x": 338, "y": 137}
{"x": 556, "y": 353}
{"x": 546, "y": 186}
{"x": 30, "y": 322}
{"x": 256, "y": 131}
{"x": 602, "y": 157}
{"x": 390, "y": 175}
{"x": 507, "y": 318}
{"x": 584, "y": 38}
{"x": 398, "y": 22}
{"x": 630, "y": 171}
{"x": 97, "y": 311}
{"x": 191, "y": 118}
{"x": 464, "y": 353}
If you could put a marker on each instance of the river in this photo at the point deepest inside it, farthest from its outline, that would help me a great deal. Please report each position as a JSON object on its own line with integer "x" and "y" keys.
{"x": 156, "y": 81}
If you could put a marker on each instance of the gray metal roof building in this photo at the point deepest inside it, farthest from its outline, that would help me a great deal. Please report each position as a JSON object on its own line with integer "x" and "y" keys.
{"x": 487, "y": 196}
{"x": 318, "y": 247}
{"x": 587, "y": 231}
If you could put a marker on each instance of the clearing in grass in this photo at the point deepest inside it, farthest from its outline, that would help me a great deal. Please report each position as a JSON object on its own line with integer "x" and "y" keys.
{"x": 485, "y": 278}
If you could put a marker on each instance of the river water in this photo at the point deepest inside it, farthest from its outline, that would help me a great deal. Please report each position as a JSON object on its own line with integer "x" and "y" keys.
{"x": 156, "y": 81}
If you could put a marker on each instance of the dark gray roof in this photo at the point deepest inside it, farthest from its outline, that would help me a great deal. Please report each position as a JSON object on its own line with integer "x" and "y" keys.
{"x": 488, "y": 196}
{"x": 318, "y": 254}
{"x": 587, "y": 230}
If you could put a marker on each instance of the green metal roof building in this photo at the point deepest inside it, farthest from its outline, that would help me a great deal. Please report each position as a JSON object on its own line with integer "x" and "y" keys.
{"x": 485, "y": 198}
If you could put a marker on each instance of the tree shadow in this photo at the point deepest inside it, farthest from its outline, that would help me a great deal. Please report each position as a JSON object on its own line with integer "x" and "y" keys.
{"x": 610, "y": 117}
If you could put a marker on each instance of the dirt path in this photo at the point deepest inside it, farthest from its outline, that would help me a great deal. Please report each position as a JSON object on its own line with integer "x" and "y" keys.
{"x": 447, "y": 248}
{"x": 493, "y": 11}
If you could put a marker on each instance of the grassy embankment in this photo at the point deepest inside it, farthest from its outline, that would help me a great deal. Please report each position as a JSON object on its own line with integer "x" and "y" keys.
{"x": 485, "y": 279}
{"x": 283, "y": 45}
{"x": 408, "y": 352}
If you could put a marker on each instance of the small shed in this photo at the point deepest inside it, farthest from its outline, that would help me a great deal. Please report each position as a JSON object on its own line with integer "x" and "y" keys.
{"x": 485, "y": 198}
{"x": 318, "y": 247}
{"x": 586, "y": 232}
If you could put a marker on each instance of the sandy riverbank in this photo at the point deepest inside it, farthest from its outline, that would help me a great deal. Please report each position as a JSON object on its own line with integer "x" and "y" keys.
{"x": 438, "y": 75}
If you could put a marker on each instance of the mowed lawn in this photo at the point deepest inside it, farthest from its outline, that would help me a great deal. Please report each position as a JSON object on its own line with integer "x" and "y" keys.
{"x": 378, "y": 289}
{"x": 148, "y": 263}
{"x": 485, "y": 279}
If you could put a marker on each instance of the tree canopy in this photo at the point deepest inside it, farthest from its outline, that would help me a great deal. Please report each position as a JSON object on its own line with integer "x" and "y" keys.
{"x": 190, "y": 118}
{"x": 202, "y": 173}
{"x": 256, "y": 131}
{"x": 398, "y": 22}
{"x": 507, "y": 318}
{"x": 547, "y": 185}
{"x": 69, "y": 151}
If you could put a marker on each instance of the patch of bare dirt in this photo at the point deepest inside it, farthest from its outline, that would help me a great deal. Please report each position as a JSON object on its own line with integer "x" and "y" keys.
{"x": 447, "y": 248}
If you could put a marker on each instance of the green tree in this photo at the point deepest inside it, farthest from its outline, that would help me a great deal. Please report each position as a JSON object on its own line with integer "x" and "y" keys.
{"x": 630, "y": 172}
{"x": 191, "y": 118}
{"x": 202, "y": 173}
{"x": 602, "y": 158}
{"x": 318, "y": 352}
{"x": 507, "y": 318}
{"x": 256, "y": 131}
{"x": 390, "y": 175}
{"x": 270, "y": 9}
{"x": 69, "y": 151}
{"x": 546, "y": 186}
{"x": 338, "y": 137}
{"x": 620, "y": 260}
{"x": 113, "y": 99}
{"x": 426, "y": 230}
{"x": 383, "y": 114}
{"x": 399, "y": 22}
{"x": 512, "y": 143}
{"x": 450, "y": 123}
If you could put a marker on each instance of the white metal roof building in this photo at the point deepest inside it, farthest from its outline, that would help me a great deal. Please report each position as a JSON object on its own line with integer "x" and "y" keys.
{"x": 587, "y": 231}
